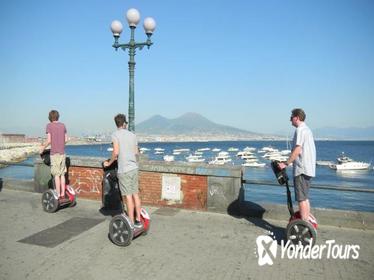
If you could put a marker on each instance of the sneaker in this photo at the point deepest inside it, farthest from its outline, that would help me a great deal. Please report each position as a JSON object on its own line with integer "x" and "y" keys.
{"x": 138, "y": 224}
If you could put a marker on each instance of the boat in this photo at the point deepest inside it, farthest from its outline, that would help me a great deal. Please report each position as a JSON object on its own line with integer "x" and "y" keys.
{"x": 181, "y": 150}
{"x": 221, "y": 158}
{"x": 249, "y": 149}
{"x": 168, "y": 158}
{"x": 343, "y": 158}
{"x": 250, "y": 156}
{"x": 143, "y": 150}
{"x": 220, "y": 161}
{"x": 346, "y": 163}
{"x": 253, "y": 164}
{"x": 216, "y": 150}
{"x": 350, "y": 165}
{"x": 203, "y": 149}
{"x": 244, "y": 153}
{"x": 285, "y": 152}
{"x": 268, "y": 149}
{"x": 250, "y": 159}
{"x": 324, "y": 162}
{"x": 195, "y": 158}
{"x": 232, "y": 149}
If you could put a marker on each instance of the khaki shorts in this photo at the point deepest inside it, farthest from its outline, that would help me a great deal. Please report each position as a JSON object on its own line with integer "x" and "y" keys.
{"x": 58, "y": 164}
{"x": 128, "y": 182}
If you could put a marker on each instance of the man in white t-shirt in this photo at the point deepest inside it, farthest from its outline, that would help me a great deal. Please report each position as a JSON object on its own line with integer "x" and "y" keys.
{"x": 303, "y": 158}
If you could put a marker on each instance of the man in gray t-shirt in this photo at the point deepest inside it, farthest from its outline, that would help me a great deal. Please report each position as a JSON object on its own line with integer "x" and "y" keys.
{"x": 303, "y": 157}
{"x": 125, "y": 151}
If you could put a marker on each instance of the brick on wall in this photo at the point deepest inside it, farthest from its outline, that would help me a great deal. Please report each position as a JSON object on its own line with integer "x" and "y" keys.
{"x": 193, "y": 187}
{"x": 87, "y": 182}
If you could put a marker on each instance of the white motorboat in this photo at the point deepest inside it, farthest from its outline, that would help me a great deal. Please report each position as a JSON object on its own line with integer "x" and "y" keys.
{"x": 168, "y": 158}
{"x": 324, "y": 162}
{"x": 247, "y": 157}
{"x": 253, "y": 164}
{"x": 268, "y": 149}
{"x": 143, "y": 150}
{"x": 195, "y": 158}
{"x": 181, "y": 150}
{"x": 216, "y": 150}
{"x": 351, "y": 165}
{"x": 343, "y": 158}
{"x": 244, "y": 153}
{"x": 220, "y": 161}
{"x": 251, "y": 160}
{"x": 203, "y": 149}
{"x": 221, "y": 158}
{"x": 249, "y": 149}
{"x": 346, "y": 163}
{"x": 285, "y": 152}
{"x": 232, "y": 149}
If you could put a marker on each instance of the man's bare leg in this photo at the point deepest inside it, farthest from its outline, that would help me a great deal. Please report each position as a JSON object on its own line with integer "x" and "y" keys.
{"x": 130, "y": 207}
{"x": 137, "y": 205}
{"x": 304, "y": 208}
{"x": 62, "y": 180}
{"x": 58, "y": 185}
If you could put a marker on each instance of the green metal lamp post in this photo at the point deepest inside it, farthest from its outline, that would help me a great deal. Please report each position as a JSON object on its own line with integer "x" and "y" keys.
{"x": 133, "y": 18}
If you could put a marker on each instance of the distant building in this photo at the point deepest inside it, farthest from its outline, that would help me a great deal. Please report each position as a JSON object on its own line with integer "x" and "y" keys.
{"x": 12, "y": 138}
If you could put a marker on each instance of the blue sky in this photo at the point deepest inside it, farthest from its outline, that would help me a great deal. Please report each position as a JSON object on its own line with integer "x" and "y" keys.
{"x": 242, "y": 63}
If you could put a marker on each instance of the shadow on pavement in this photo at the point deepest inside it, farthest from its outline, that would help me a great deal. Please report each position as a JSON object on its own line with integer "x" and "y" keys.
{"x": 254, "y": 213}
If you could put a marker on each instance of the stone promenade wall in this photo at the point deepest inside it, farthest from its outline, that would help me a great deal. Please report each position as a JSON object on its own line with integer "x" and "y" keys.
{"x": 177, "y": 184}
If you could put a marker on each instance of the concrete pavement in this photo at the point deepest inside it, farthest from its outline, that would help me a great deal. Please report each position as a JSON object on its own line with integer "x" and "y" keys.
{"x": 180, "y": 245}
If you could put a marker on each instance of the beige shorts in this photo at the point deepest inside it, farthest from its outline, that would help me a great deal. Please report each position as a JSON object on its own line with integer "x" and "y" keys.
{"x": 128, "y": 182}
{"x": 58, "y": 164}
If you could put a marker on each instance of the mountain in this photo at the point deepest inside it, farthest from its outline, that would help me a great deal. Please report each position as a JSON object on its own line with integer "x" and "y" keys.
{"x": 191, "y": 124}
{"x": 350, "y": 133}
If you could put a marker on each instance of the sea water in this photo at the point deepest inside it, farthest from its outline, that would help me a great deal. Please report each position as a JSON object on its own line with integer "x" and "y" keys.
{"x": 326, "y": 150}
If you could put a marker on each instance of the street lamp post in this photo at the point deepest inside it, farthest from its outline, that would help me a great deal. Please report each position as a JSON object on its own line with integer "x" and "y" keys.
{"x": 133, "y": 18}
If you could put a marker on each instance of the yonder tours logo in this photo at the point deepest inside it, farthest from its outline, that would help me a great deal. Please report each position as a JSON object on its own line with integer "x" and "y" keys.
{"x": 267, "y": 249}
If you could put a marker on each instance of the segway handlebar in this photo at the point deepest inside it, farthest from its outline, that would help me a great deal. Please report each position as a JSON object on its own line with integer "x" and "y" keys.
{"x": 282, "y": 178}
{"x": 280, "y": 174}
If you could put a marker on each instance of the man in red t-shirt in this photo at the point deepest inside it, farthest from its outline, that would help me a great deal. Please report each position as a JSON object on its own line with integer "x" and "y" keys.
{"x": 57, "y": 137}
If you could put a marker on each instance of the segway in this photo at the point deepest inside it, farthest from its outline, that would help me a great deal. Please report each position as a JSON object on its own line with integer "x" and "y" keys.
{"x": 298, "y": 231}
{"x": 121, "y": 230}
{"x": 50, "y": 197}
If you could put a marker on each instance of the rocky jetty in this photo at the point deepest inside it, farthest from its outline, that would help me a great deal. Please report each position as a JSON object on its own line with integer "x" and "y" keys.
{"x": 16, "y": 152}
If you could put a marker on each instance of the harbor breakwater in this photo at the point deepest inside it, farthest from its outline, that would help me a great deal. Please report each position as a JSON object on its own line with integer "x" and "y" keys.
{"x": 17, "y": 152}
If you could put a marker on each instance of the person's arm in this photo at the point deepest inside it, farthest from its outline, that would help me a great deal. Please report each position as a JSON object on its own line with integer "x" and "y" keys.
{"x": 295, "y": 153}
{"x": 46, "y": 144}
{"x": 66, "y": 134}
{"x": 115, "y": 154}
{"x": 137, "y": 153}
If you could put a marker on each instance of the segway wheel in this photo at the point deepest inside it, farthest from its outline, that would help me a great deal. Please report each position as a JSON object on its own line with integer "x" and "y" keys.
{"x": 120, "y": 231}
{"x": 49, "y": 202}
{"x": 300, "y": 231}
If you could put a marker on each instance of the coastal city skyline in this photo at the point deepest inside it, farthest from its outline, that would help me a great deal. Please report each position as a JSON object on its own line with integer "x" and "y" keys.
{"x": 244, "y": 64}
